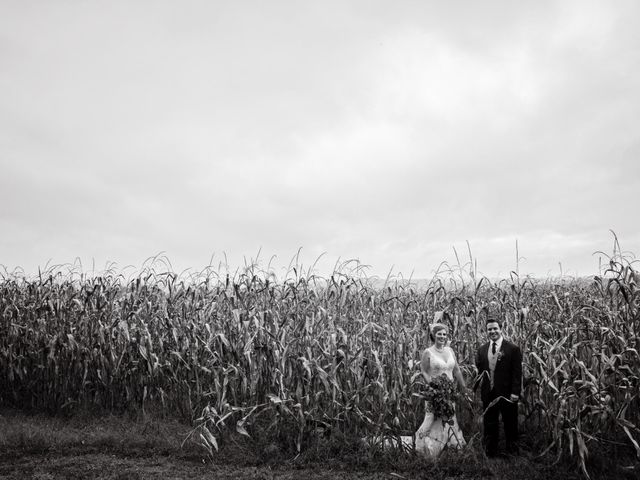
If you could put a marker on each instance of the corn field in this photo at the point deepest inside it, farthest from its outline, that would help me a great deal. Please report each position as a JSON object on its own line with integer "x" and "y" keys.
{"x": 246, "y": 353}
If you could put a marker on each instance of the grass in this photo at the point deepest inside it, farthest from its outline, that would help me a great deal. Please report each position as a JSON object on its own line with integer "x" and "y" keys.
{"x": 40, "y": 444}
{"x": 39, "y": 433}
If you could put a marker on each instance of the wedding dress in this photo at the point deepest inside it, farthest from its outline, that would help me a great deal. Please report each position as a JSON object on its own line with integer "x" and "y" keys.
{"x": 434, "y": 433}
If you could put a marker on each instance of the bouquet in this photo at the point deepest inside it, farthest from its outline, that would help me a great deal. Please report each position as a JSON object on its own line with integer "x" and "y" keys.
{"x": 440, "y": 393}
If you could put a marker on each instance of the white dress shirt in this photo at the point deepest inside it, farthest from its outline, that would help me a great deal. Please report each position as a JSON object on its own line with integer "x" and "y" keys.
{"x": 493, "y": 357}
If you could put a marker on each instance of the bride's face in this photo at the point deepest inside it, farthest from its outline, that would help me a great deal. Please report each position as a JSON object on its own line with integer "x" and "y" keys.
{"x": 441, "y": 337}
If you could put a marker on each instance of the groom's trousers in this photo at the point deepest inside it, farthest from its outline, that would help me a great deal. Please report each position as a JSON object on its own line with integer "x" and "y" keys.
{"x": 491, "y": 421}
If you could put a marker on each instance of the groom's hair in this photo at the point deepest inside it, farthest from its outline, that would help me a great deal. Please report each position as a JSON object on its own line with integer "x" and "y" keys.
{"x": 493, "y": 318}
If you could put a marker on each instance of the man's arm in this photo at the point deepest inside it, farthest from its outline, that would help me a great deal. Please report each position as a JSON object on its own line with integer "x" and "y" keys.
{"x": 478, "y": 359}
{"x": 516, "y": 372}
{"x": 478, "y": 379}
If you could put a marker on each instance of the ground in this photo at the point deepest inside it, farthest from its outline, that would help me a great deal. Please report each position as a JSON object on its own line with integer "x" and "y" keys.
{"x": 105, "y": 466}
{"x": 41, "y": 447}
{"x": 111, "y": 466}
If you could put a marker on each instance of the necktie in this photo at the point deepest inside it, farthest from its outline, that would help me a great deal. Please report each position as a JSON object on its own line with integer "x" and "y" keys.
{"x": 493, "y": 348}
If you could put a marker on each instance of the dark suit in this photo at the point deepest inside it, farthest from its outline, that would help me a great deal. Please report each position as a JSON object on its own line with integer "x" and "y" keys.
{"x": 507, "y": 380}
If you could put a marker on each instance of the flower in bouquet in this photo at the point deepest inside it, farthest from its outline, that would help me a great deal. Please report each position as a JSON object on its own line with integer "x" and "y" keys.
{"x": 440, "y": 393}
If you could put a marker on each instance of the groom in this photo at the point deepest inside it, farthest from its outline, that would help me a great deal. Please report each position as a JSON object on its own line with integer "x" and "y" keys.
{"x": 499, "y": 365}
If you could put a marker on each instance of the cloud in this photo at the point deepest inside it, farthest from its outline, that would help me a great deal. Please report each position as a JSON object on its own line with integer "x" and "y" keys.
{"x": 388, "y": 135}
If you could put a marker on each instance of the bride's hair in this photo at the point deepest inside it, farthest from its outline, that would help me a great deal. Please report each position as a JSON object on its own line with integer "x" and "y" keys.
{"x": 435, "y": 328}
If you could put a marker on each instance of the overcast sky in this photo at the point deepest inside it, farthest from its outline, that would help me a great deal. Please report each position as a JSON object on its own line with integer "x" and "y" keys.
{"x": 389, "y": 132}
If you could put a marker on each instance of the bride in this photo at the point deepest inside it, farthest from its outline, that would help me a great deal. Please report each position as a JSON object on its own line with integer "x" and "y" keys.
{"x": 435, "y": 433}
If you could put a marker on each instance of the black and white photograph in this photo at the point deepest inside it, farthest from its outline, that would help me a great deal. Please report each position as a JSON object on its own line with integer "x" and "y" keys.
{"x": 285, "y": 239}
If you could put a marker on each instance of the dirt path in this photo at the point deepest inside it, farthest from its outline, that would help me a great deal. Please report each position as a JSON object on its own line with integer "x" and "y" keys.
{"x": 116, "y": 467}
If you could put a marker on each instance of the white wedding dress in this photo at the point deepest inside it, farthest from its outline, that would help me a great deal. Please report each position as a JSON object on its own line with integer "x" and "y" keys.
{"x": 434, "y": 434}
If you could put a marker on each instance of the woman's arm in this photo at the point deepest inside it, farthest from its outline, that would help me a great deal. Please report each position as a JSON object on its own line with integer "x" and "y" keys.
{"x": 425, "y": 364}
{"x": 457, "y": 373}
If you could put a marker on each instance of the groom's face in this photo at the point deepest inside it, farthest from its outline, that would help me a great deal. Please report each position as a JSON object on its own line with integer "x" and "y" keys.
{"x": 493, "y": 331}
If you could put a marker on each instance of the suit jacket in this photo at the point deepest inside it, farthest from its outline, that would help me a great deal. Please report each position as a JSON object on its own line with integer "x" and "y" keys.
{"x": 507, "y": 377}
